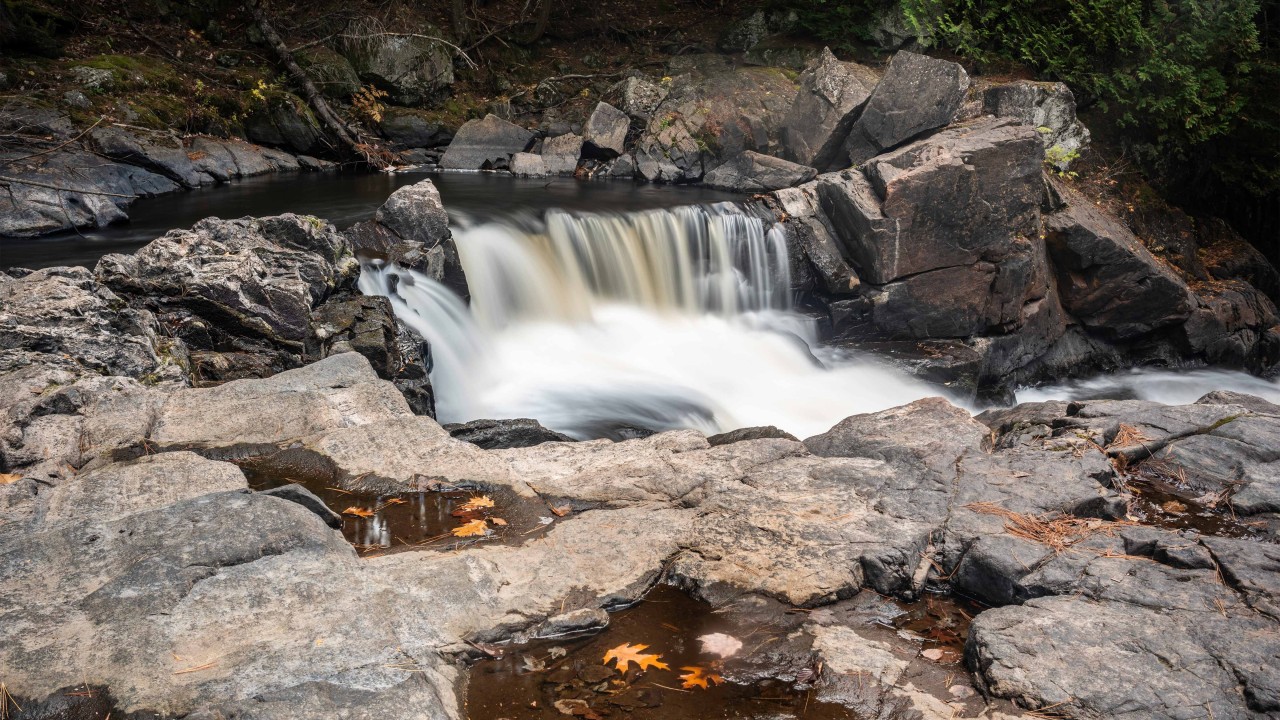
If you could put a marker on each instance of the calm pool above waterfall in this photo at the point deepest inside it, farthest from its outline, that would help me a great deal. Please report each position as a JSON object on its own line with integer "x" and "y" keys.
{"x": 341, "y": 198}
{"x": 602, "y": 307}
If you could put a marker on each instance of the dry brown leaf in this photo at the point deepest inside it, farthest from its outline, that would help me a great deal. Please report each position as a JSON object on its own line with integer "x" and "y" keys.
{"x": 477, "y": 503}
{"x": 1174, "y": 507}
{"x": 358, "y": 511}
{"x": 699, "y": 677}
{"x": 561, "y": 510}
{"x": 394, "y": 501}
{"x": 7, "y": 478}
{"x": 498, "y": 521}
{"x": 471, "y": 529}
{"x": 720, "y": 644}
{"x": 626, "y": 653}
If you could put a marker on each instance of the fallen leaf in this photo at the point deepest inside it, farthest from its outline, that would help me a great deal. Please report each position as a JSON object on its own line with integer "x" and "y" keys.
{"x": 358, "y": 511}
{"x": 579, "y": 708}
{"x": 498, "y": 521}
{"x": 533, "y": 664}
{"x": 394, "y": 501}
{"x": 473, "y": 528}
{"x": 699, "y": 677}
{"x": 557, "y": 652}
{"x": 6, "y": 478}
{"x": 626, "y": 653}
{"x": 720, "y": 644}
{"x": 562, "y": 510}
{"x": 476, "y": 503}
{"x": 1174, "y": 507}
{"x": 934, "y": 654}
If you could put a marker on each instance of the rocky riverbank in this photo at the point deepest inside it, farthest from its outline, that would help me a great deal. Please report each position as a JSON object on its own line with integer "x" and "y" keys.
{"x": 1126, "y": 550}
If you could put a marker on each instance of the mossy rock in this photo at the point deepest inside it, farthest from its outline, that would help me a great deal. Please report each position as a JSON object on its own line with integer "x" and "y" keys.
{"x": 129, "y": 72}
{"x": 331, "y": 72}
{"x": 284, "y": 120}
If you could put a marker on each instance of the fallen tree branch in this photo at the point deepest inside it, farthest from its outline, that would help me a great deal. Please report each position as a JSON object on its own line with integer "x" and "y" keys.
{"x": 348, "y": 136}
{"x": 461, "y": 53}
{"x": 56, "y": 147}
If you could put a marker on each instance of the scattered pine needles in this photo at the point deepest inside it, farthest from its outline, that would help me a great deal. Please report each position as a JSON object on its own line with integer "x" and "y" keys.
{"x": 1058, "y": 533}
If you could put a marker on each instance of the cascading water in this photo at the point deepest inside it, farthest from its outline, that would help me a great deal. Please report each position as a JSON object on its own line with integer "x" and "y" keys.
{"x": 594, "y": 323}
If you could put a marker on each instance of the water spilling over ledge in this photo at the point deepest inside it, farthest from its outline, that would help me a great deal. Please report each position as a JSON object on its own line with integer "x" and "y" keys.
{"x": 599, "y": 323}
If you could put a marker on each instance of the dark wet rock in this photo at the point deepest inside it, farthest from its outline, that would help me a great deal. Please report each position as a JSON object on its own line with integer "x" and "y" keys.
{"x": 560, "y": 154}
{"x": 753, "y": 172}
{"x": 311, "y": 164}
{"x": 832, "y": 95}
{"x": 332, "y": 74}
{"x": 97, "y": 192}
{"x": 486, "y": 144}
{"x": 158, "y": 152}
{"x": 296, "y": 493}
{"x": 1107, "y": 280}
{"x": 412, "y": 229}
{"x": 917, "y": 94}
{"x": 528, "y": 165}
{"x": 500, "y": 434}
{"x": 623, "y": 167}
{"x": 411, "y": 69}
{"x": 994, "y": 281}
{"x": 410, "y": 128}
{"x": 367, "y": 325}
{"x": 1050, "y": 108}
{"x": 238, "y": 285}
{"x": 812, "y": 240}
{"x": 1234, "y": 324}
{"x": 751, "y": 433}
{"x": 1227, "y": 256}
{"x": 286, "y": 121}
{"x": 711, "y": 114}
{"x": 605, "y": 134}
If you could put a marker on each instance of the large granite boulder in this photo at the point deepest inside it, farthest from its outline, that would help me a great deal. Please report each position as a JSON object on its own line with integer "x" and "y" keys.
{"x": 917, "y": 94}
{"x": 285, "y": 120}
{"x": 605, "y": 134}
{"x": 753, "y": 172}
{"x": 1107, "y": 279}
{"x": 832, "y": 95}
{"x": 331, "y": 73}
{"x": 560, "y": 154}
{"x": 412, "y": 70}
{"x": 1050, "y": 108}
{"x": 946, "y": 228}
{"x": 486, "y": 144}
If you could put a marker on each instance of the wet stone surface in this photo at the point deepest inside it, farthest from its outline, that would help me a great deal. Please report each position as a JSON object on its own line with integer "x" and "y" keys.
{"x": 1160, "y": 500}
{"x": 561, "y": 677}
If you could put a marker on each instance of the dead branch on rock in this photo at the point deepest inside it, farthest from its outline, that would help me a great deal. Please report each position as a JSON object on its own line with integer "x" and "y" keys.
{"x": 366, "y": 148}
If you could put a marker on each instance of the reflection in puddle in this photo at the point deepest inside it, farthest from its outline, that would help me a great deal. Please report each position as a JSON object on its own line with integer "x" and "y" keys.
{"x": 559, "y": 677}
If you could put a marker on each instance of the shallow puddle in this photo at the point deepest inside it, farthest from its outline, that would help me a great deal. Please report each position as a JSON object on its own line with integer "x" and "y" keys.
{"x": 1163, "y": 505}
{"x": 941, "y": 622}
{"x": 569, "y": 677}
{"x": 376, "y": 523}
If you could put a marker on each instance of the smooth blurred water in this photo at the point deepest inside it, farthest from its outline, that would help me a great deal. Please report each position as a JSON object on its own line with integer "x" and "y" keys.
{"x": 1172, "y": 387}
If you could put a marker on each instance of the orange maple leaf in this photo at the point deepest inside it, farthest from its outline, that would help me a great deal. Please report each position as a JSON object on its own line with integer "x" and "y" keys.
{"x": 699, "y": 677}
{"x": 475, "y": 527}
{"x": 478, "y": 502}
{"x": 358, "y": 511}
{"x": 626, "y": 653}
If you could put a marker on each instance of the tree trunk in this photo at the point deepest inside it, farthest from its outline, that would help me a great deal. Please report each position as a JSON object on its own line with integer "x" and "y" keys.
{"x": 540, "y": 23}
{"x": 348, "y": 136}
{"x": 458, "y": 15}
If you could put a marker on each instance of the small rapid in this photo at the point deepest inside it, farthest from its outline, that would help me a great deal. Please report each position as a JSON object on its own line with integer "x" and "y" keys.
{"x": 597, "y": 323}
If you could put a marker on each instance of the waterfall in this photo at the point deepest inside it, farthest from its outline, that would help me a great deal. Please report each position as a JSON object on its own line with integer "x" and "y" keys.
{"x": 594, "y": 323}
